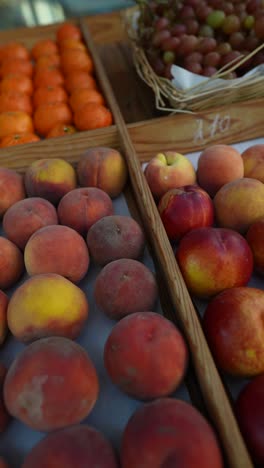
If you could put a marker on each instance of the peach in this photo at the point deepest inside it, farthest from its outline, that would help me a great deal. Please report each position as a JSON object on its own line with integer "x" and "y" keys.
{"x": 168, "y": 432}
{"x": 255, "y": 238}
{"x": 114, "y": 237}
{"x": 239, "y": 203}
{"x": 213, "y": 259}
{"x": 78, "y": 446}
{"x": 47, "y": 305}
{"x": 3, "y": 316}
{"x": 104, "y": 168}
{"x": 218, "y": 165}
{"x": 234, "y": 327}
{"x": 4, "y": 415}
{"x": 132, "y": 355}
{"x": 185, "y": 208}
{"x": 11, "y": 188}
{"x": 57, "y": 249}
{"x": 82, "y": 207}
{"x": 25, "y": 217}
{"x": 168, "y": 170}
{"x": 51, "y": 384}
{"x": 125, "y": 286}
{"x": 11, "y": 264}
{"x": 50, "y": 179}
{"x": 253, "y": 159}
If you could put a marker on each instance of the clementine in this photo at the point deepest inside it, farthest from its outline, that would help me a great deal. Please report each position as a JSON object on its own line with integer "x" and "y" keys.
{"x": 15, "y": 122}
{"x": 15, "y": 101}
{"x": 91, "y": 116}
{"x": 50, "y": 76}
{"x": 72, "y": 43}
{"x": 68, "y": 31}
{"x": 47, "y": 94}
{"x": 61, "y": 129}
{"x": 44, "y": 47}
{"x": 45, "y": 61}
{"x": 75, "y": 59}
{"x": 10, "y": 65}
{"x": 16, "y": 82}
{"x": 14, "y": 50}
{"x": 18, "y": 139}
{"x": 82, "y": 96}
{"x": 79, "y": 79}
{"x": 46, "y": 116}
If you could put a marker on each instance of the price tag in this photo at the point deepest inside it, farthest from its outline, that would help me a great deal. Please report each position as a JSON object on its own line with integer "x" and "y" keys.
{"x": 209, "y": 130}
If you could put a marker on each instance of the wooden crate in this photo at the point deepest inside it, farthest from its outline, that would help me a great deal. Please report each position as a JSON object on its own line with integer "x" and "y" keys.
{"x": 139, "y": 131}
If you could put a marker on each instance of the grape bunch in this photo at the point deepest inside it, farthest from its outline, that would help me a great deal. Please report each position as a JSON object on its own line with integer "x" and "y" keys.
{"x": 201, "y": 36}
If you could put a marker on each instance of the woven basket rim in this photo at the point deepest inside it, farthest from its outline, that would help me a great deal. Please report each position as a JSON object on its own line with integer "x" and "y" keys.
{"x": 197, "y": 97}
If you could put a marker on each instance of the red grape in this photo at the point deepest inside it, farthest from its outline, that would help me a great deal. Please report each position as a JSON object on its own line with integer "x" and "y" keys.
{"x": 251, "y": 43}
{"x": 161, "y": 23}
{"x": 231, "y": 24}
{"x": 209, "y": 71}
{"x": 252, "y": 5}
{"x": 160, "y": 36}
{"x": 178, "y": 29}
{"x": 167, "y": 71}
{"x": 187, "y": 44}
{"x": 186, "y": 11}
{"x": 227, "y": 58}
{"x": 259, "y": 27}
{"x": 237, "y": 40}
{"x": 172, "y": 43}
{"x": 212, "y": 59}
{"x": 202, "y": 12}
{"x": 194, "y": 67}
{"x": 228, "y": 8}
{"x": 206, "y": 44}
{"x": 192, "y": 26}
{"x": 194, "y": 57}
{"x": 223, "y": 48}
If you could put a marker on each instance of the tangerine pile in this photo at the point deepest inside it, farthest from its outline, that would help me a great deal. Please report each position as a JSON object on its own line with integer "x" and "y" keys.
{"x": 50, "y": 90}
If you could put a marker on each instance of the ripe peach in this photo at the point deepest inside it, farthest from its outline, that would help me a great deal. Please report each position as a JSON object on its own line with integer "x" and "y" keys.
{"x": 104, "y": 168}
{"x": 213, "y": 259}
{"x": 82, "y": 207}
{"x": 234, "y": 328}
{"x": 11, "y": 265}
{"x": 132, "y": 355}
{"x": 168, "y": 170}
{"x": 25, "y": 217}
{"x": 218, "y": 165}
{"x": 185, "y": 208}
{"x": 167, "y": 433}
{"x": 249, "y": 408}
{"x": 253, "y": 159}
{"x": 51, "y": 384}
{"x": 114, "y": 237}
{"x": 255, "y": 238}
{"x": 47, "y": 305}
{"x": 125, "y": 286}
{"x": 50, "y": 179}
{"x": 239, "y": 203}
{"x": 78, "y": 446}
{"x": 11, "y": 189}
{"x": 4, "y": 415}
{"x": 46, "y": 248}
{"x": 3, "y": 317}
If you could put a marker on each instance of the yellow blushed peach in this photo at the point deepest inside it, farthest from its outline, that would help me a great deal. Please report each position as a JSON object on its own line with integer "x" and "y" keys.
{"x": 47, "y": 305}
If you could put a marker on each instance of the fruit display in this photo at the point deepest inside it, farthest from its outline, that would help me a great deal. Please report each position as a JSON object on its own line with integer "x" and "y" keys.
{"x": 49, "y": 89}
{"x": 201, "y": 36}
{"x": 219, "y": 247}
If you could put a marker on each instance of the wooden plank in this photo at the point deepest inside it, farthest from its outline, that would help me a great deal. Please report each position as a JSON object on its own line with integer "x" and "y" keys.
{"x": 210, "y": 382}
{"x": 192, "y": 132}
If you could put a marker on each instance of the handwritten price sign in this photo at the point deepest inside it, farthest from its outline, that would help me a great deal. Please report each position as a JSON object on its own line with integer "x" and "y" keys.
{"x": 209, "y": 130}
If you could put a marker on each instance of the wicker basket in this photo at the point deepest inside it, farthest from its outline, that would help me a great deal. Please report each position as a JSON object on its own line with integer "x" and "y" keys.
{"x": 212, "y": 92}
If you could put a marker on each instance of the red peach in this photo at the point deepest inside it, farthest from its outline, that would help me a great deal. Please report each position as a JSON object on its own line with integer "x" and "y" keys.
{"x": 132, "y": 355}
{"x": 218, "y": 165}
{"x": 45, "y": 253}
{"x": 240, "y": 203}
{"x": 167, "y": 433}
{"x": 249, "y": 409}
{"x": 214, "y": 259}
{"x": 104, "y": 168}
{"x": 255, "y": 238}
{"x": 253, "y": 159}
{"x": 11, "y": 188}
{"x": 114, "y": 237}
{"x": 185, "y": 208}
{"x": 234, "y": 327}
{"x": 11, "y": 265}
{"x": 50, "y": 179}
{"x": 25, "y": 217}
{"x": 82, "y": 207}
{"x": 51, "y": 384}
{"x": 125, "y": 286}
{"x": 74, "y": 447}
